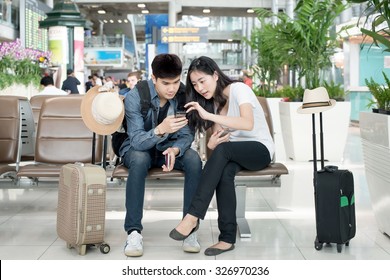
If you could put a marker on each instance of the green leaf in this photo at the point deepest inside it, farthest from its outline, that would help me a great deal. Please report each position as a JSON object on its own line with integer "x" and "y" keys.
{"x": 377, "y": 37}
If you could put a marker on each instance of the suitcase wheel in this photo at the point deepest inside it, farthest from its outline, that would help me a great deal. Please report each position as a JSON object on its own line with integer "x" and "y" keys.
{"x": 317, "y": 244}
{"x": 68, "y": 245}
{"x": 347, "y": 244}
{"x": 339, "y": 247}
{"x": 82, "y": 250}
{"x": 104, "y": 248}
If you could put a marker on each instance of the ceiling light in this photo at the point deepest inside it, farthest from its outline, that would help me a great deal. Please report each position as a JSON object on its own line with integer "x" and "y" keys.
{"x": 102, "y": 12}
{"x": 230, "y": 40}
{"x": 125, "y": 21}
{"x": 250, "y": 11}
{"x": 119, "y": 21}
{"x": 206, "y": 11}
{"x": 105, "y": 21}
{"x": 141, "y": 5}
{"x": 145, "y": 11}
{"x": 111, "y": 21}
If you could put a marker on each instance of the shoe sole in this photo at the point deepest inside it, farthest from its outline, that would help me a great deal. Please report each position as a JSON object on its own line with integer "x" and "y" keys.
{"x": 191, "y": 250}
{"x": 134, "y": 254}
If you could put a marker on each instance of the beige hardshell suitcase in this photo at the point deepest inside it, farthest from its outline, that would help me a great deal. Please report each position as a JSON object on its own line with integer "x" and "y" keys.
{"x": 82, "y": 206}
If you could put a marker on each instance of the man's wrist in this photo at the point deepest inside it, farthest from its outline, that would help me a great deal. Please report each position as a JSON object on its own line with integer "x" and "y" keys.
{"x": 158, "y": 132}
{"x": 176, "y": 150}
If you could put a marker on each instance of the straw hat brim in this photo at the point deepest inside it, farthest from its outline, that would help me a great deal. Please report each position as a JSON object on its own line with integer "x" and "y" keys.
{"x": 89, "y": 120}
{"x": 314, "y": 110}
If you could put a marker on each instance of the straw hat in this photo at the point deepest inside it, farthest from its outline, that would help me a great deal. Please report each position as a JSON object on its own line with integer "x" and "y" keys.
{"x": 316, "y": 101}
{"x": 102, "y": 110}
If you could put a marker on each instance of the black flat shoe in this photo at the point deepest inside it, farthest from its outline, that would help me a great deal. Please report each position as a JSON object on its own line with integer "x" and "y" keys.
{"x": 174, "y": 234}
{"x": 216, "y": 251}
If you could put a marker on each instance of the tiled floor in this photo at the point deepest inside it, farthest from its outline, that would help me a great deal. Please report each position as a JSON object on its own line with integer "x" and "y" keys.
{"x": 281, "y": 220}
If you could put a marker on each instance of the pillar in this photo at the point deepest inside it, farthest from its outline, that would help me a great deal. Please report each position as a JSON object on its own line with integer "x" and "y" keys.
{"x": 66, "y": 39}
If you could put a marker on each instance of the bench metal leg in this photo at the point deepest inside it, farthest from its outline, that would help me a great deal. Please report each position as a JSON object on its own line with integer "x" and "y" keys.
{"x": 243, "y": 226}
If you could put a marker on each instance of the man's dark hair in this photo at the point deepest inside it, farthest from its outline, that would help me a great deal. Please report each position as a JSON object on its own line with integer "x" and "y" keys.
{"x": 47, "y": 80}
{"x": 166, "y": 66}
{"x": 69, "y": 71}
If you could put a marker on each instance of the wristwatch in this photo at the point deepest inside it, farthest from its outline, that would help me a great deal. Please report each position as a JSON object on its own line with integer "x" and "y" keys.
{"x": 157, "y": 131}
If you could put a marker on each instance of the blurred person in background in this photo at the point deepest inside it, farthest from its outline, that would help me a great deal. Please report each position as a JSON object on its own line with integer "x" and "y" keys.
{"x": 96, "y": 80}
{"x": 247, "y": 78}
{"x": 88, "y": 84}
{"x": 71, "y": 82}
{"x": 48, "y": 87}
{"x": 132, "y": 79}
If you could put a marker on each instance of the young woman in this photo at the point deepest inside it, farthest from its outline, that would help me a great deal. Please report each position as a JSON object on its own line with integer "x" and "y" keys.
{"x": 240, "y": 140}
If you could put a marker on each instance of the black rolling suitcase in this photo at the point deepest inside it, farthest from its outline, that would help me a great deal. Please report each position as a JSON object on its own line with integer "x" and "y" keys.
{"x": 334, "y": 201}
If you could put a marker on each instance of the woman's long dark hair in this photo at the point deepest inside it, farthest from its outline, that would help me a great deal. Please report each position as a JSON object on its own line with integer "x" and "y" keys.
{"x": 208, "y": 66}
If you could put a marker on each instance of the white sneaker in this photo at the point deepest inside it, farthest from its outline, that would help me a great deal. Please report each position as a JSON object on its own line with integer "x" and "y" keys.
{"x": 134, "y": 245}
{"x": 191, "y": 244}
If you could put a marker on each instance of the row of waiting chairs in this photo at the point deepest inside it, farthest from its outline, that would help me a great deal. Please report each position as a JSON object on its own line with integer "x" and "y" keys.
{"x": 62, "y": 137}
{"x": 56, "y": 135}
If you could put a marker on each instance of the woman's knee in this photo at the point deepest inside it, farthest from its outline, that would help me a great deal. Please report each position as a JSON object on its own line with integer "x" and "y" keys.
{"x": 230, "y": 170}
{"x": 191, "y": 158}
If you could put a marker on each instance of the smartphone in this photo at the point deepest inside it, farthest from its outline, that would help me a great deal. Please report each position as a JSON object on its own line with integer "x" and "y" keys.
{"x": 180, "y": 114}
{"x": 225, "y": 131}
{"x": 167, "y": 161}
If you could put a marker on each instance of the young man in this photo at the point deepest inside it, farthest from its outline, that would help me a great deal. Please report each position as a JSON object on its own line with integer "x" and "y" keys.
{"x": 150, "y": 140}
{"x": 132, "y": 79}
{"x": 48, "y": 87}
{"x": 71, "y": 82}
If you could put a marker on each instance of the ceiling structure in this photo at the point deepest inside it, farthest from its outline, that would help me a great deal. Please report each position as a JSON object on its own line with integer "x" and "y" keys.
{"x": 119, "y": 9}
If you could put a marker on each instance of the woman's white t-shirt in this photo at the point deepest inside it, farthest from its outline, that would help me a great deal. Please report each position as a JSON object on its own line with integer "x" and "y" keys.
{"x": 240, "y": 94}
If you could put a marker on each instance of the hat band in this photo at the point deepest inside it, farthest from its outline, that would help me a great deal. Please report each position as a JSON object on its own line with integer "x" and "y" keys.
{"x": 315, "y": 104}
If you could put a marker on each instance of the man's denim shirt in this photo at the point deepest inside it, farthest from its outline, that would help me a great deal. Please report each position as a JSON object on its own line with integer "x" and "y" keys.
{"x": 141, "y": 140}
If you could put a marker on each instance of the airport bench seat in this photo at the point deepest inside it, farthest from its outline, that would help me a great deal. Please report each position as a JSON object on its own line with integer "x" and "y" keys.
{"x": 61, "y": 138}
{"x": 10, "y": 134}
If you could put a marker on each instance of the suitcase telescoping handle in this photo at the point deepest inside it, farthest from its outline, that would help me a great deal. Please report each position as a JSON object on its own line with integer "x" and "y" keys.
{"x": 313, "y": 120}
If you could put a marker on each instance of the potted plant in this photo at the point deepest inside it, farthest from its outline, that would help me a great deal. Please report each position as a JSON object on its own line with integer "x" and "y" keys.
{"x": 381, "y": 95}
{"x": 20, "y": 68}
{"x": 268, "y": 59}
{"x": 306, "y": 44}
{"x": 335, "y": 91}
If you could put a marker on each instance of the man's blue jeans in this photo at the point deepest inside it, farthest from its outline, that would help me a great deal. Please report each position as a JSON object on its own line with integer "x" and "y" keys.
{"x": 138, "y": 163}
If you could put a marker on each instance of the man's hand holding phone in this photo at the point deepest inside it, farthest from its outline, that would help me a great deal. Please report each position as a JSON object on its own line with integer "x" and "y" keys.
{"x": 172, "y": 123}
{"x": 180, "y": 114}
{"x": 168, "y": 161}
{"x": 170, "y": 158}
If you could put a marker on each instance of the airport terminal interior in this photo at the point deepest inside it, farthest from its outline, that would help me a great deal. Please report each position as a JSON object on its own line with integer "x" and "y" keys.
{"x": 281, "y": 218}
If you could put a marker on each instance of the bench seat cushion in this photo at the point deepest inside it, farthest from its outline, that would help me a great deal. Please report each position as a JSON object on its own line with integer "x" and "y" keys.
{"x": 4, "y": 168}
{"x": 276, "y": 169}
{"x": 272, "y": 169}
{"x": 39, "y": 170}
{"x": 121, "y": 171}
